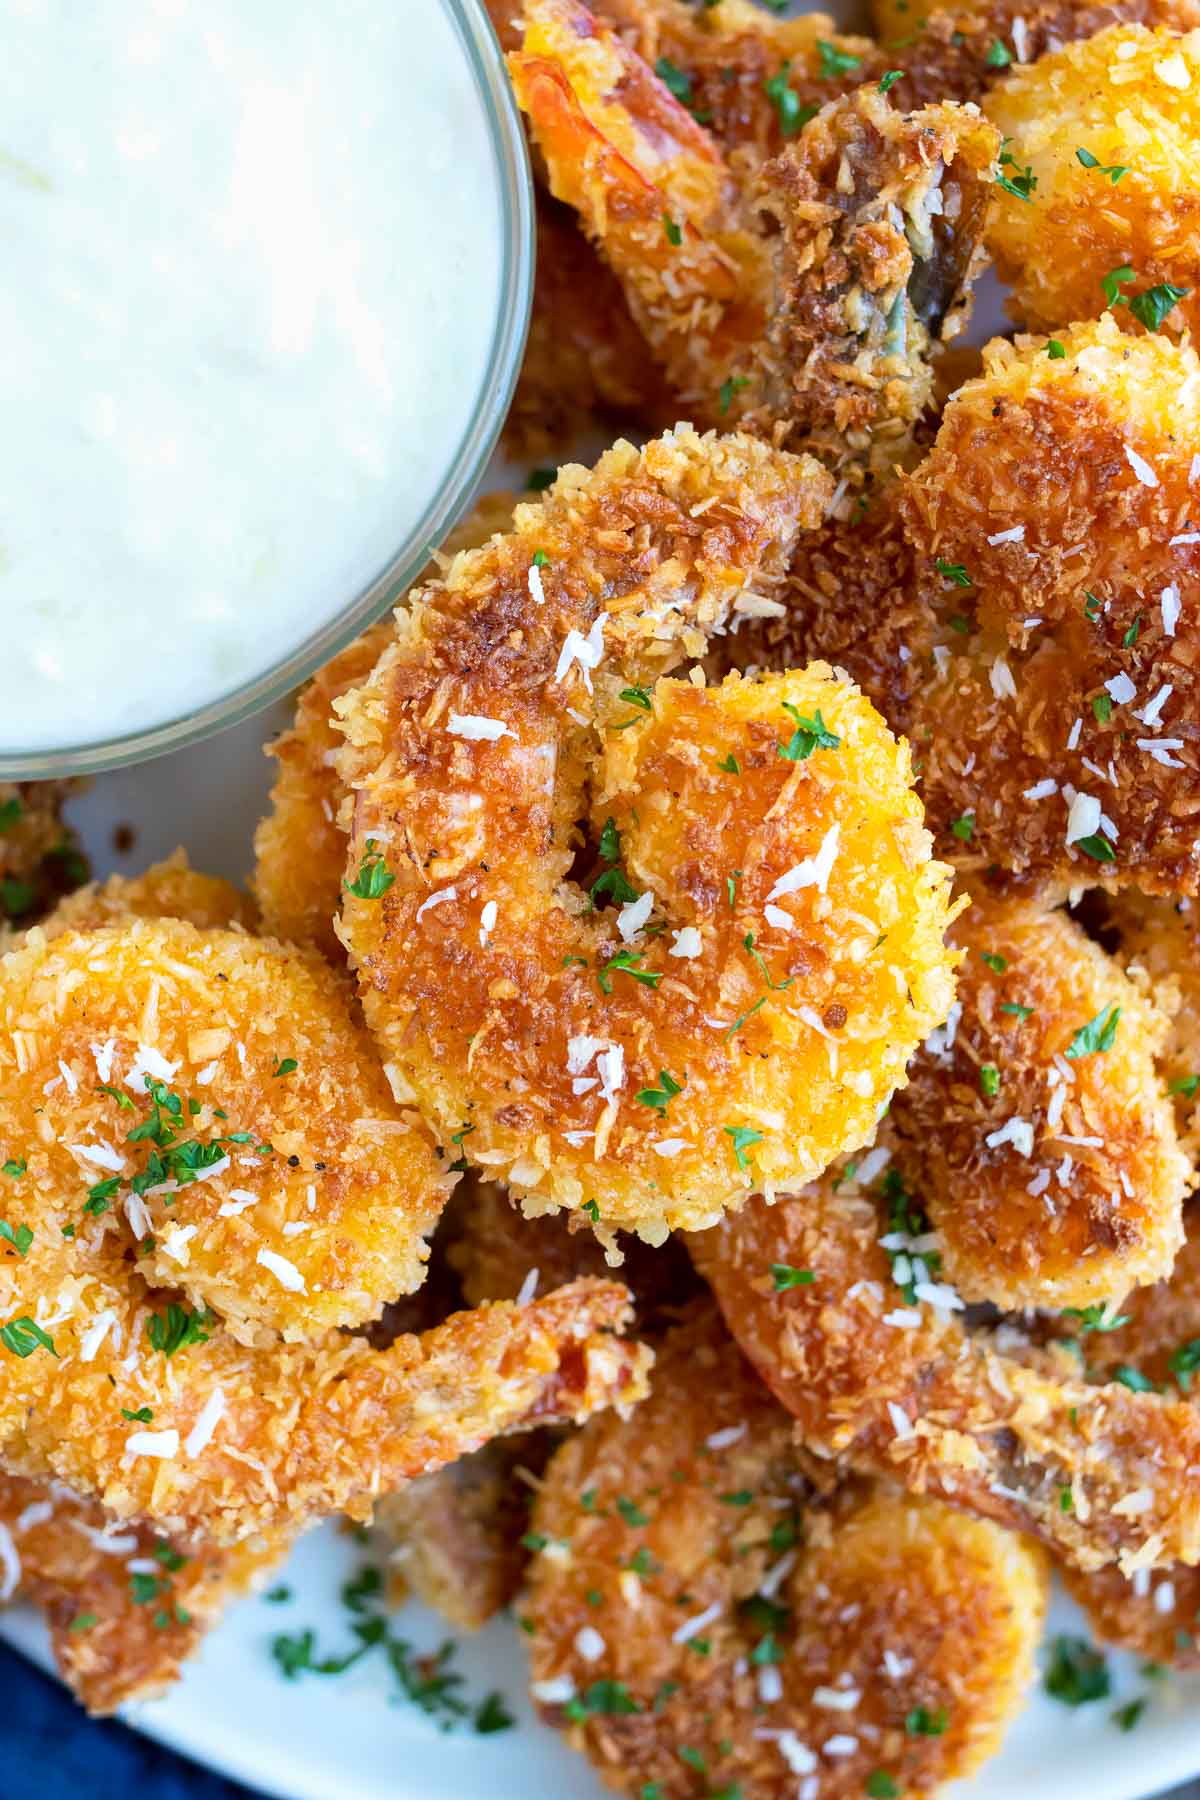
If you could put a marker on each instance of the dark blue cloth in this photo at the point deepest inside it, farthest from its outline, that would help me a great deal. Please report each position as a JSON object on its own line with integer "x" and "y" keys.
{"x": 52, "y": 1749}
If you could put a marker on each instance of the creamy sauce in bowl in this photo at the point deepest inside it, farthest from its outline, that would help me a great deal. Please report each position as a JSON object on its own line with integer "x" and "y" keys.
{"x": 254, "y": 264}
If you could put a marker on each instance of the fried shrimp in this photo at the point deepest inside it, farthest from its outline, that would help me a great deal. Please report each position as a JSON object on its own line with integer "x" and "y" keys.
{"x": 804, "y": 294}
{"x": 837, "y": 1305}
{"x": 300, "y": 851}
{"x": 125, "y": 1608}
{"x": 215, "y": 1095}
{"x": 698, "y": 1608}
{"x": 1160, "y": 939}
{"x": 1104, "y": 138}
{"x": 170, "y": 889}
{"x": 736, "y": 994}
{"x": 1036, "y": 1127}
{"x": 1056, "y": 525}
{"x": 167, "y": 1418}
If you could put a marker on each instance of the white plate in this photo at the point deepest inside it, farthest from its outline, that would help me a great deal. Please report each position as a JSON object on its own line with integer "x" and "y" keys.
{"x": 344, "y": 1737}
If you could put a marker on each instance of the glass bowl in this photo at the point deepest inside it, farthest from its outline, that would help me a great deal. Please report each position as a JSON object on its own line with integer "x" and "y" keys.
{"x": 450, "y": 499}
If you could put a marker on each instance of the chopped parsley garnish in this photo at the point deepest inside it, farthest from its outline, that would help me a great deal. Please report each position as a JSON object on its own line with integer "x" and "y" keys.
{"x": 999, "y": 56}
{"x": 740, "y": 1497}
{"x": 963, "y": 827}
{"x": 83, "y": 1621}
{"x": 674, "y": 234}
{"x": 592, "y": 1209}
{"x": 605, "y": 1697}
{"x": 923, "y": 1723}
{"x": 729, "y": 764}
{"x": 728, "y": 388}
{"x": 540, "y": 560}
{"x": 16, "y": 897}
{"x": 731, "y": 882}
{"x": 374, "y": 878}
{"x": 1095, "y": 1318}
{"x": 1102, "y": 708}
{"x": 1097, "y": 847}
{"x": 693, "y": 1758}
{"x": 881, "y": 1786}
{"x": 660, "y": 1097}
{"x": 177, "y": 1328}
{"x": 835, "y": 62}
{"x": 1131, "y": 636}
{"x": 100, "y": 1194}
{"x": 1114, "y": 171}
{"x": 674, "y": 80}
{"x": 785, "y": 1277}
{"x": 19, "y": 1236}
{"x": 538, "y": 480}
{"x": 1114, "y": 281}
{"x": 276, "y": 1596}
{"x": 143, "y": 1416}
{"x": 637, "y": 696}
{"x": 1018, "y": 1011}
{"x": 997, "y": 964}
{"x": 1127, "y": 1716}
{"x": 786, "y": 101}
{"x": 626, "y": 962}
{"x": 23, "y": 1336}
{"x": 115, "y": 1093}
{"x": 631, "y": 1512}
{"x": 887, "y": 82}
{"x": 1093, "y": 605}
{"x": 15, "y": 1166}
{"x": 1054, "y": 350}
{"x": 809, "y": 735}
{"x": 954, "y": 572}
{"x": 1151, "y": 307}
{"x": 492, "y": 1715}
{"x": 1184, "y": 1362}
{"x": 287, "y": 1065}
{"x": 615, "y": 884}
{"x": 610, "y": 842}
{"x": 748, "y": 1014}
{"x": 743, "y": 1137}
{"x": 776, "y": 987}
{"x": 1185, "y": 1085}
{"x": 1098, "y": 1035}
{"x": 1134, "y": 1380}
{"x": 10, "y": 811}
{"x": 1021, "y": 183}
{"x": 989, "y": 1080}
{"x": 1077, "y": 1672}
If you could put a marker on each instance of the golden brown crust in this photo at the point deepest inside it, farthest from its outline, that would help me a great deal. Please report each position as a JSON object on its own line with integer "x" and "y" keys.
{"x": 1051, "y": 1173}
{"x": 488, "y": 975}
{"x": 1128, "y": 100}
{"x": 902, "y": 1387}
{"x": 170, "y": 889}
{"x": 693, "y": 1595}
{"x": 125, "y": 1608}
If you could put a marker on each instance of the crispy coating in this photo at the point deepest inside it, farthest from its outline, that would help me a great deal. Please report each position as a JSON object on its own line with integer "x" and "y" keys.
{"x": 1128, "y": 100}
{"x": 696, "y": 1608}
{"x": 891, "y": 1381}
{"x": 170, "y": 889}
{"x": 40, "y": 859}
{"x": 124, "y": 1607}
{"x": 1066, "y": 493}
{"x": 817, "y": 329}
{"x": 241, "y": 1441}
{"x": 1052, "y": 1179}
{"x": 781, "y": 997}
{"x": 308, "y": 1192}
{"x": 457, "y": 1533}
{"x": 1160, "y": 939}
{"x": 300, "y": 852}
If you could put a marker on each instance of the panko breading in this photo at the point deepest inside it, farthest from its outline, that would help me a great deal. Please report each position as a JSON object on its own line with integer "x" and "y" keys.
{"x": 878, "y": 1369}
{"x": 300, "y": 851}
{"x": 1056, "y": 523}
{"x": 242, "y": 1441}
{"x": 1108, "y": 133}
{"x": 170, "y": 889}
{"x": 1036, "y": 1127}
{"x": 735, "y": 996}
{"x": 1161, "y": 939}
{"x": 696, "y": 1607}
{"x": 820, "y": 328}
{"x": 124, "y": 1607}
{"x": 273, "y": 1176}
{"x": 954, "y": 48}
{"x": 40, "y": 858}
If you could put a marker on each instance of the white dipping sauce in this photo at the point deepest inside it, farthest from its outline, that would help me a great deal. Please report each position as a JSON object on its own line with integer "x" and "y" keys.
{"x": 252, "y": 267}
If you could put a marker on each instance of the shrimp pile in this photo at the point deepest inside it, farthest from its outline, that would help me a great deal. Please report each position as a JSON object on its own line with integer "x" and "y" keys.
{"x": 732, "y": 994}
{"x": 696, "y": 1607}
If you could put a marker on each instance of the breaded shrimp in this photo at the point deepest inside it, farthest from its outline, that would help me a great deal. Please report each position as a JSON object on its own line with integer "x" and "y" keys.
{"x": 775, "y": 951}
{"x": 215, "y": 1096}
{"x": 163, "y": 1416}
{"x": 1036, "y": 1126}
{"x": 877, "y": 1368}
{"x": 1160, "y": 938}
{"x": 300, "y": 851}
{"x": 823, "y": 326}
{"x": 170, "y": 889}
{"x": 1106, "y": 136}
{"x": 124, "y": 1607}
{"x": 1056, "y": 527}
{"x": 696, "y": 1608}
{"x": 968, "y": 47}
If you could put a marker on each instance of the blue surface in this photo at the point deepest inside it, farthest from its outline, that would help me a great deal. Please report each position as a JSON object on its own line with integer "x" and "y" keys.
{"x": 54, "y": 1751}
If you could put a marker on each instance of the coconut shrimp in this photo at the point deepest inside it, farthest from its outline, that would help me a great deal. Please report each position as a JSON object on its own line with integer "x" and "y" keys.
{"x": 1036, "y": 1125}
{"x": 211, "y": 1098}
{"x": 733, "y": 988}
{"x": 833, "y": 1296}
{"x": 697, "y": 1607}
{"x": 170, "y": 889}
{"x": 300, "y": 850}
{"x": 1160, "y": 939}
{"x": 124, "y": 1606}
{"x": 1104, "y": 140}
{"x": 823, "y": 326}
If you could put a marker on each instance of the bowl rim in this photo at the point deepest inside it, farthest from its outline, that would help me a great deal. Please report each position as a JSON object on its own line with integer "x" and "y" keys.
{"x": 501, "y": 367}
